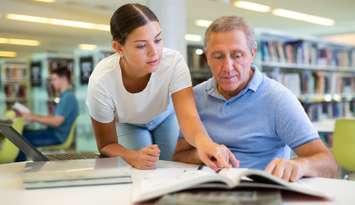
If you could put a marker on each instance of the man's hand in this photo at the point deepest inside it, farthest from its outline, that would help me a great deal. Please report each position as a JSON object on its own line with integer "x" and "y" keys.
{"x": 28, "y": 116}
{"x": 216, "y": 156}
{"x": 289, "y": 170}
{"x": 145, "y": 158}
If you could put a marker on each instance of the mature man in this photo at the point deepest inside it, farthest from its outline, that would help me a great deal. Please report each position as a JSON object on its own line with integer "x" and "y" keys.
{"x": 257, "y": 118}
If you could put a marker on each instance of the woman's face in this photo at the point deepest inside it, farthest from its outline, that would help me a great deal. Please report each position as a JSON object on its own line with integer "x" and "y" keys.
{"x": 142, "y": 50}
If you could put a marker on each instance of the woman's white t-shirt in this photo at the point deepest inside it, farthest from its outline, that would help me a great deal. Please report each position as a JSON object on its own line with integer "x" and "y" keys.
{"x": 108, "y": 99}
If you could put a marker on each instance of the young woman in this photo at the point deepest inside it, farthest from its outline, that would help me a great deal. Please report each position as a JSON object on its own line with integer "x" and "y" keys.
{"x": 138, "y": 88}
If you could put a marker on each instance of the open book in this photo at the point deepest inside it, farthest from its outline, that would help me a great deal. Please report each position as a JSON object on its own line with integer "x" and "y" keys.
{"x": 64, "y": 173}
{"x": 155, "y": 183}
{"x": 20, "y": 108}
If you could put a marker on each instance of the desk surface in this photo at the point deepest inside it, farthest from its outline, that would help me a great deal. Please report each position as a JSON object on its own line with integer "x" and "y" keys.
{"x": 13, "y": 193}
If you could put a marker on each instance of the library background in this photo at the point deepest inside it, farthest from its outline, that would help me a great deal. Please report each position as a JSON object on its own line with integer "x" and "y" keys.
{"x": 310, "y": 49}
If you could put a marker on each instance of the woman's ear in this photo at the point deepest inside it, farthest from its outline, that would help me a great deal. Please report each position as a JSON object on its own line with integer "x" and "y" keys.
{"x": 117, "y": 46}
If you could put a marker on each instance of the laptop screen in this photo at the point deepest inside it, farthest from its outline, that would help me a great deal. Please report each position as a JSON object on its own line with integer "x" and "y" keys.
{"x": 22, "y": 143}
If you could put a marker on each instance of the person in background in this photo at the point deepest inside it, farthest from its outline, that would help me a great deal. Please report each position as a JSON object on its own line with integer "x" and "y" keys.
{"x": 256, "y": 117}
{"x": 66, "y": 112}
{"x": 134, "y": 94}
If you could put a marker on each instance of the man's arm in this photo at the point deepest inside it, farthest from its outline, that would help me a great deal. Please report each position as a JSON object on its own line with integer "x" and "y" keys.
{"x": 313, "y": 159}
{"x": 51, "y": 120}
{"x": 185, "y": 152}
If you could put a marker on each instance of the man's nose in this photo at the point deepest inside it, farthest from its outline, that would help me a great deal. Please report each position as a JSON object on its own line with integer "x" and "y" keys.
{"x": 228, "y": 64}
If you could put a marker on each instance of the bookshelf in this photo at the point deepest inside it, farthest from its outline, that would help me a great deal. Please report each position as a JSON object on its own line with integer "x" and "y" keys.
{"x": 43, "y": 96}
{"x": 42, "y": 91}
{"x": 320, "y": 73}
{"x": 14, "y": 83}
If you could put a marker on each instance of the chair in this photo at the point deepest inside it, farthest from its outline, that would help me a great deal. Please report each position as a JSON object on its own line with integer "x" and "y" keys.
{"x": 9, "y": 151}
{"x": 344, "y": 144}
{"x": 67, "y": 143}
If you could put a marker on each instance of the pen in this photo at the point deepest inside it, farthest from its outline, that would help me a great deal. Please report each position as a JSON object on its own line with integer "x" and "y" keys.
{"x": 200, "y": 167}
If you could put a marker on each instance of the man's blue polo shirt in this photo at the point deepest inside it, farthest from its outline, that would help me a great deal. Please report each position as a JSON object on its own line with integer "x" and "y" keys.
{"x": 68, "y": 107}
{"x": 259, "y": 124}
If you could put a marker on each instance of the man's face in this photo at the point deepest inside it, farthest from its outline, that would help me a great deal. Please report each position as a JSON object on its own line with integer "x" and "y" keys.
{"x": 56, "y": 81}
{"x": 230, "y": 59}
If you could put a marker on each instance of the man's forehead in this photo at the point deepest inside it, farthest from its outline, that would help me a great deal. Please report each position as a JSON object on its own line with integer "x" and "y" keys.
{"x": 221, "y": 48}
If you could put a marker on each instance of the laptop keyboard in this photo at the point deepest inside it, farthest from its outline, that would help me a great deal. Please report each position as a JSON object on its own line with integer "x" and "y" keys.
{"x": 73, "y": 155}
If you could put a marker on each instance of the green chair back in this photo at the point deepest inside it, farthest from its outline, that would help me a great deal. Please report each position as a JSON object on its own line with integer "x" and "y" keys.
{"x": 67, "y": 143}
{"x": 9, "y": 151}
{"x": 344, "y": 143}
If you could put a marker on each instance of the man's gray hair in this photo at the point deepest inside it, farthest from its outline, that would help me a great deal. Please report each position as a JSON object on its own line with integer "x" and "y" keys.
{"x": 230, "y": 23}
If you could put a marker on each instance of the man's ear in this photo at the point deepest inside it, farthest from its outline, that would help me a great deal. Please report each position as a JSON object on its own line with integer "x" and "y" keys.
{"x": 117, "y": 46}
{"x": 254, "y": 50}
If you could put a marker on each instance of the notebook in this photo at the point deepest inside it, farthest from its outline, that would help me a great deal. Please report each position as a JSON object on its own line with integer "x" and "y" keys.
{"x": 69, "y": 173}
{"x": 32, "y": 152}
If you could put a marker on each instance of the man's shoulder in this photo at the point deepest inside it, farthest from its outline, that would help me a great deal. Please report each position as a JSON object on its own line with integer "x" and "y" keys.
{"x": 274, "y": 92}
{"x": 201, "y": 88}
{"x": 273, "y": 87}
{"x": 69, "y": 96}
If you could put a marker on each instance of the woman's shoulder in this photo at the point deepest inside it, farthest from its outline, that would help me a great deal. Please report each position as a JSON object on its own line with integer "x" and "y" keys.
{"x": 170, "y": 54}
{"x": 108, "y": 62}
{"x": 105, "y": 67}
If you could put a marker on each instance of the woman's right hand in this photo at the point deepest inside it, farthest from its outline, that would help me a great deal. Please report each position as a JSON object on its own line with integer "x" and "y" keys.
{"x": 216, "y": 156}
{"x": 145, "y": 158}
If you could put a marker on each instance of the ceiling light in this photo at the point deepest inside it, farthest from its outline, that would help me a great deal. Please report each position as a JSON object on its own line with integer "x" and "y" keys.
{"x": 58, "y": 22}
{"x": 16, "y": 41}
{"x": 252, "y": 6}
{"x": 193, "y": 37}
{"x": 87, "y": 47}
{"x": 46, "y": 1}
{"x": 8, "y": 54}
{"x": 303, "y": 17}
{"x": 203, "y": 23}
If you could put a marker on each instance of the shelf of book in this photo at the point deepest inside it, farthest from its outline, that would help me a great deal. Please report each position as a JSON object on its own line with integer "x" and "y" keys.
{"x": 14, "y": 83}
{"x": 321, "y": 74}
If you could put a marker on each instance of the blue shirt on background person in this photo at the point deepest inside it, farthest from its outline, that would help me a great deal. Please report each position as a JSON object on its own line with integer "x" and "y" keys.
{"x": 259, "y": 124}
{"x": 67, "y": 107}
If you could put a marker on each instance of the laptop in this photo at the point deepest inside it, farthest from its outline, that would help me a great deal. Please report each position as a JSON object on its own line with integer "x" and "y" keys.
{"x": 32, "y": 152}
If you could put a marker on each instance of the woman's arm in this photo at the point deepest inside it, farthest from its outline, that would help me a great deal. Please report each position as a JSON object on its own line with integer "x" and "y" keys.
{"x": 214, "y": 155}
{"x": 184, "y": 152}
{"x": 106, "y": 138}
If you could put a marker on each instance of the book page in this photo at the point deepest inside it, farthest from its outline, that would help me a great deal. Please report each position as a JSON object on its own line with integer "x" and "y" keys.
{"x": 258, "y": 178}
{"x": 148, "y": 184}
{"x": 20, "y": 108}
